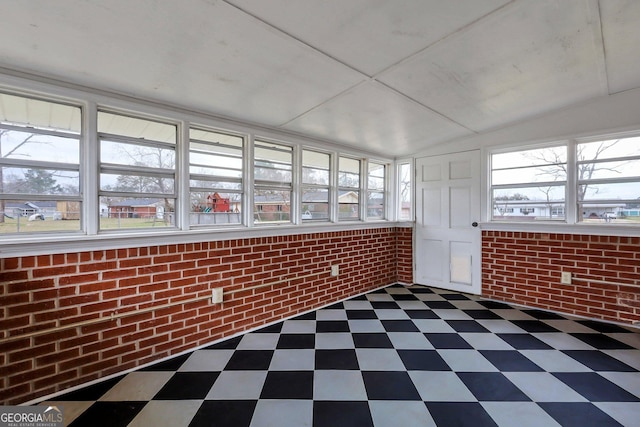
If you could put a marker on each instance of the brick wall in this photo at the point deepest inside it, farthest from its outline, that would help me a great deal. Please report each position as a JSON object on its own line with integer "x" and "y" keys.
{"x": 404, "y": 251}
{"x": 525, "y": 268}
{"x": 49, "y": 291}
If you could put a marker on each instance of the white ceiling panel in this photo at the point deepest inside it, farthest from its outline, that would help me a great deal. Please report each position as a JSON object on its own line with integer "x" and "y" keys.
{"x": 369, "y": 35}
{"x": 379, "y": 119}
{"x": 205, "y": 55}
{"x": 525, "y": 59}
{"x": 621, "y": 31}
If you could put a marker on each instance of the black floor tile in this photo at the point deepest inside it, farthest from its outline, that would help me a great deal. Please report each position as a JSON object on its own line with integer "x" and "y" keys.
{"x": 510, "y": 361}
{"x": 482, "y": 314}
{"x": 332, "y": 326}
{"x": 603, "y": 327}
{"x": 399, "y": 326}
{"x": 107, "y": 414}
{"x": 423, "y": 360}
{"x": 292, "y": 341}
{"x": 92, "y": 392}
{"x": 447, "y": 341}
{"x": 460, "y": 414}
{"x": 230, "y": 344}
{"x": 224, "y": 413}
{"x": 601, "y": 342}
{"x": 288, "y": 385}
{"x": 422, "y": 314}
{"x": 371, "y": 340}
{"x": 170, "y": 365}
{"x": 341, "y": 414}
{"x": 336, "y": 359}
{"x": 404, "y": 297}
{"x": 594, "y": 387}
{"x": 534, "y": 326}
{"x": 543, "y": 315}
{"x": 524, "y": 342}
{"x": 389, "y": 385}
{"x": 359, "y": 298}
{"x": 598, "y": 361}
{"x": 187, "y": 385}
{"x": 455, "y": 297}
{"x": 361, "y": 314}
{"x": 420, "y": 290}
{"x": 336, "y": 306}
{"x": 466, "y": 326}
{"x": 271, "y": 329}
{"x": 306, "y": 316}
{"x": 247, "y": 360}
{"x": 495, "y": 305}
{"x": 578, "y": 414}
{"x": 440, "y": 305}
{"x": 385, "y": 305}
{"x": 492, "y": 386}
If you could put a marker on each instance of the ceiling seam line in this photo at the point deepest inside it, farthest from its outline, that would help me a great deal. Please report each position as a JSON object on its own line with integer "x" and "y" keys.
{"x": 604, "y": 49}
{"x": 298, "y": 40}
{"x": 441, "y": 40}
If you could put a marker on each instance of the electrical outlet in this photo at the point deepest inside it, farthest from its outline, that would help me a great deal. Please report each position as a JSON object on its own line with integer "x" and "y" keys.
{"x": 216, "y": 295}
{"x": 334, "y": 270}
{"x": 565, "y": 278}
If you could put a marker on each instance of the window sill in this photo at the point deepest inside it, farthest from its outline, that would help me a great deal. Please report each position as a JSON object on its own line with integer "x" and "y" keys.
{"x": 610, "y": 229}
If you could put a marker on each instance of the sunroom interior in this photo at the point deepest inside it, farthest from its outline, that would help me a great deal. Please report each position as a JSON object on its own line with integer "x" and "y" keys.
{"x": 174, "y": 174}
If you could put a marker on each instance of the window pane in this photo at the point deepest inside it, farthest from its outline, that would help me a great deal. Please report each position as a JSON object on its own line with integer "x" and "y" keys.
{"x": 273, "y": 163}
{"x": 141, "y": 184}
{"x": 271, "y": 206}
{"x": 132, "y": 127}
{"x": 613, "y": 148}
{"x": 537, "y": 157}
{"x": 375, "y": 205}
{"x": 404, "y": 191}
{"x": 531, "y": 203}
{"x": 38, "y": 114}
{"x": 315, "y": 204}
{"x": 216, "y": 208}
{"x": 125, "y": 213}
{"x": 609, "y": 170}
{"x": 29, "y": 146}
{"x": 349, "y": 205}
{"x": 41, "y": 216}
{"x": 136, "y": 155}
{"x": 349, "y": 173}
{"x": 315, "y": 168}
{"x": 529, "y": 174}
{"x": 610, "y": 191}
{"x": 39, "y": 181}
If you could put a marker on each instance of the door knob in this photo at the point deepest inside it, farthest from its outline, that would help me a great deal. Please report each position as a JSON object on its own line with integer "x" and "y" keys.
{"x": 474, "y": 224}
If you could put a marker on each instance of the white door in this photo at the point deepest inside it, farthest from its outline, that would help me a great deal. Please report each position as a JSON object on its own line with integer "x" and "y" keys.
{"x": 448, "y": 239}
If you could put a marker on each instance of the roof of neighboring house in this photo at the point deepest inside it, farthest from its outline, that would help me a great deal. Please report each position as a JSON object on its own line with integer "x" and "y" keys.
{"x": 31, "y": 205}
{"x": 136, "y": 202}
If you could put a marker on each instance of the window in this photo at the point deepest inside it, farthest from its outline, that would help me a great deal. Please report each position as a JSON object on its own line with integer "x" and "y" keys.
{"x": 404, "y": 192}
{"x": 137, "y": 172}
{"x": 608, "y": 180}
{"x": 375, "y": 191}
{"x": 215, "y": 177}
{"x": 273, "y": 183}
{"x": 348, "y": 188}
{"x": 533, "y": 181}
{"x": 315, "y": 185}
{"x": 39, "y": 166}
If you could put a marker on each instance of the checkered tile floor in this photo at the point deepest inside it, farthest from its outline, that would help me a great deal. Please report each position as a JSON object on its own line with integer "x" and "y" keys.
{"x": 400, "y": 356}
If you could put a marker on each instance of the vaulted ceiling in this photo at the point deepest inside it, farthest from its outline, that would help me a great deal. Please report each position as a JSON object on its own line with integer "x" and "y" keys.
{"x": 387, "y": 76}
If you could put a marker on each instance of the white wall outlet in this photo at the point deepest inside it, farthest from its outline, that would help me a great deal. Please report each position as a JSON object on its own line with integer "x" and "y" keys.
{"x": 216, "y": 295}
{"x": 565, "y": 278}
{"x": 335, "y": 270}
